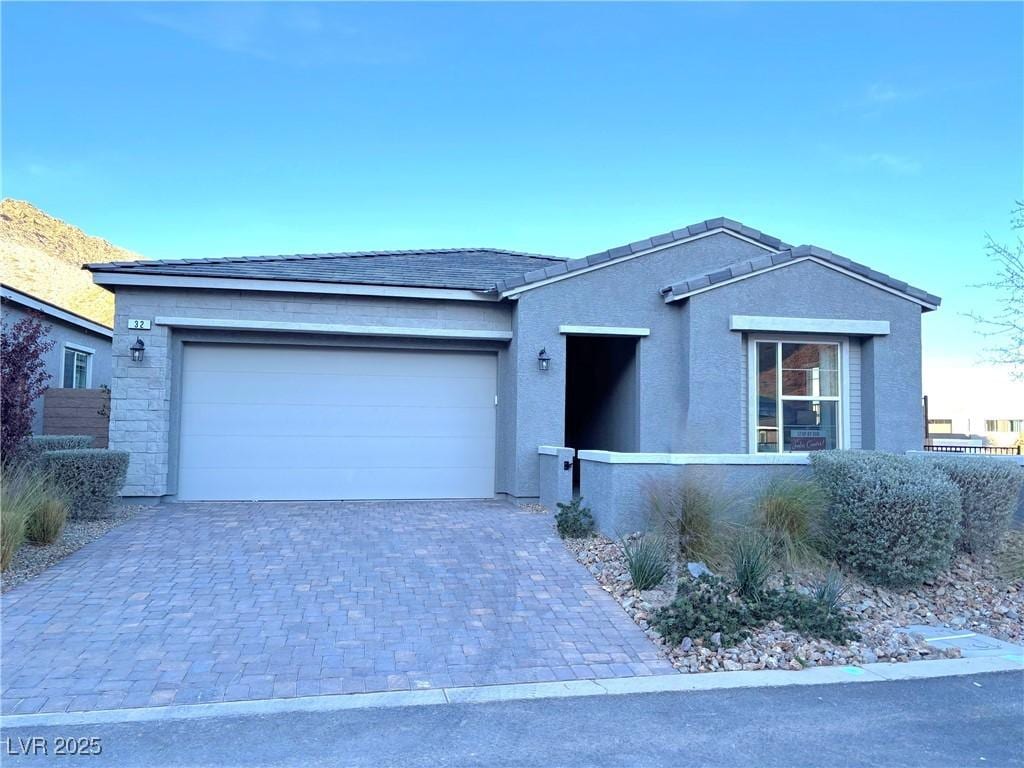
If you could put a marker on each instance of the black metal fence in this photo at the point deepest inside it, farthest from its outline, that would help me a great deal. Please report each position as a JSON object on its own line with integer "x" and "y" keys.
{"x": 989, "y": 450}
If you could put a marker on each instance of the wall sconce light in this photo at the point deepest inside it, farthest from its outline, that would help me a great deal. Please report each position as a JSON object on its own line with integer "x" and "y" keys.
{"x": 138, "y": 350}
{"x": 543, "y": 359}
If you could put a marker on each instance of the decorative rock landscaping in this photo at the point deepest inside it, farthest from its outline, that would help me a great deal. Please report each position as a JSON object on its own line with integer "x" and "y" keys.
{"x": 969, "y": 596}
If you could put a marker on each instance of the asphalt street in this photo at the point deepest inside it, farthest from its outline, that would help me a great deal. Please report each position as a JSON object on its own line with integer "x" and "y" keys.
{"x": 955, "y": 721}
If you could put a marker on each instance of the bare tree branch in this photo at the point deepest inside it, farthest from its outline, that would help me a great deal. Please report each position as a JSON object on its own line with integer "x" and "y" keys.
{"x": 1006, "y": 323}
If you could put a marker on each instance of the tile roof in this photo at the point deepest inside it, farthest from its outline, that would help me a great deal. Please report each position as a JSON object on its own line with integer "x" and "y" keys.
{"x": 489, "y": 269}
{"x": 476, "y": 269}
{"x": 666, "y": 238}
{"x": 686, "y": 287}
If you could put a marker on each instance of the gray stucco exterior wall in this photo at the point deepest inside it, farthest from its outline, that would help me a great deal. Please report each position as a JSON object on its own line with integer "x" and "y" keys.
{"x": 61, "y": 334}
{"x": 691, "y": 380}
{"x": 886, "y": 393}
{"x": 626, "y": 295}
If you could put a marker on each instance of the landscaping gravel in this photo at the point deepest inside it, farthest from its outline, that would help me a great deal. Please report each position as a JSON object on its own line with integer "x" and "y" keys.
{"x": 534, "y": 509}
{"x": 970, "y": 596}
{"x": 31, "y": 560}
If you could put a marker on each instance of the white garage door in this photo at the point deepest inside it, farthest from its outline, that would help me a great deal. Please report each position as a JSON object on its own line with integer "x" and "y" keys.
{"x": 272, "y": 422}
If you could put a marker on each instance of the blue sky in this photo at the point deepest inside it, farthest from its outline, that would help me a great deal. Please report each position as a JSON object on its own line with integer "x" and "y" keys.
{"x": 891, "y": 134}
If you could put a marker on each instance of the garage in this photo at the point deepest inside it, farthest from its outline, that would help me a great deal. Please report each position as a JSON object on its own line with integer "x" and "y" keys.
{"x": 269, "y": 422}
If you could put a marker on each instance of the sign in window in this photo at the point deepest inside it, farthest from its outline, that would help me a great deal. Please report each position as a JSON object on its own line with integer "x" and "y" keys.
{"x": 798, "y": 396}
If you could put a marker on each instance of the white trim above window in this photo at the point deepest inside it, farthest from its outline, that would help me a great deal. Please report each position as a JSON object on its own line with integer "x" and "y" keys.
{"x": 808, "y": 325}
{"x": 602, "y": 330}
{"x": 823, "y": 397}
{"x": 81, "y": 361}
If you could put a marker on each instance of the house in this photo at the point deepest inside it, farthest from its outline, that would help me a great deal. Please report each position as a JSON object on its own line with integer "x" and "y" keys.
{"x": 466, "y": 373}
{"x": 78, "y": 365}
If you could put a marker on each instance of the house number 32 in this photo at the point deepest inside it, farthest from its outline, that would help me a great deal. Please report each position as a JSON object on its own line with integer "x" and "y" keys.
{"x": 139, "y": 325}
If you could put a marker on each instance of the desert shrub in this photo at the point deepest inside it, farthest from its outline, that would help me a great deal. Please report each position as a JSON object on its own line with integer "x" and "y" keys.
{"x": 706, "y": 606}
{"x": 12, "y": 531}
{"x": 789, "y": 512}
{"x": 830, "y": 592}
{"x": 691, "y": 519}
{"x": 91, "y": 478}
{"x": 37, "y": 445}
{"x": 802, "y": 613}
{"x": 646, "y": 560}
{"x": 46, "y": 521}
{"x": 1010, "y": 556}
{"x": 891, "y": 518}
{"x": 21, "y": 488}
{"x": 1010, "y": 564}
{"x": 751, "y": 564}
{"x": 702, "y": 608}
{"x": 989, "y": 489}
{"x": 23, "y": 379}
{"x": 573, "y": 520}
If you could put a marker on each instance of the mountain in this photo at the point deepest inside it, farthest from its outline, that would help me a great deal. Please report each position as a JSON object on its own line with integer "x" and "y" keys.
{"x": 43, "y": 256}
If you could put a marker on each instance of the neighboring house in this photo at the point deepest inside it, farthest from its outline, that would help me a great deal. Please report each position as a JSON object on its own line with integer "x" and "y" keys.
{"x": 974, "y": 406}
{"x": 445, "y": 373}
{"x": 78, "y": 360}
{"x": 976, "y": 432}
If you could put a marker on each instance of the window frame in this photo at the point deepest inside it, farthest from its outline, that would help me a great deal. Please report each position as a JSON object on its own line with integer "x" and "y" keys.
{"x": 1012, "y": 425}
{"x": 89, "y": 353}
{"x": 842, "y": 412}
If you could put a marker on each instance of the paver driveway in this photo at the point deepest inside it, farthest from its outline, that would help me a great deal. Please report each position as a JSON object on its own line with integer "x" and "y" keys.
{"x": 219, "y": 602}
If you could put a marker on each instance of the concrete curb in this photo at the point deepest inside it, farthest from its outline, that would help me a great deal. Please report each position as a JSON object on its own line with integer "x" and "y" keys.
{"x": 868, "y": 673}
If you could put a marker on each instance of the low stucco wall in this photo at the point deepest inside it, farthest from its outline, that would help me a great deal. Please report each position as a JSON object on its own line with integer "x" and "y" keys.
{"x": 617, "y": 487}
{"x": 555, "y": 478}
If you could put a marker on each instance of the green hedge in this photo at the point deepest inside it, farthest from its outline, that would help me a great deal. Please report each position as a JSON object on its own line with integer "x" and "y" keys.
{"x": 37, "y": 445}
{"x": 91, "y": 477}
{"x": 989, "y": 489}
{"x": 892, "y": 518}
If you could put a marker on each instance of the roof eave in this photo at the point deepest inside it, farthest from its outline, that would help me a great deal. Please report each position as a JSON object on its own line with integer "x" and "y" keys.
{"x": 52, "y": 310}
{"x": 743, "y": 270}
{"x": 283, "y": 285}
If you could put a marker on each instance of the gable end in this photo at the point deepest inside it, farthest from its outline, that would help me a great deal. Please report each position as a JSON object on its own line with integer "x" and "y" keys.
{"x": 743, "y": 270}
{"x": 511, "y": 288}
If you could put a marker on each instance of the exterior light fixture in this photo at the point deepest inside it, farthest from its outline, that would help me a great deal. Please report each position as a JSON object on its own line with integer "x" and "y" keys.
{"x": 138, "y": 350}
{"x": 543, "y": 359}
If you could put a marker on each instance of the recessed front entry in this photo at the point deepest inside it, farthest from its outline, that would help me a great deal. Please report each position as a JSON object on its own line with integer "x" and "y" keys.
{"x": 291, "y": 422}
{"x": 600, "y": 394}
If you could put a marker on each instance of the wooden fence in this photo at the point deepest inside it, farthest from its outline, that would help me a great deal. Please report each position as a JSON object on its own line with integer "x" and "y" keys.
{"x": 78, "y": 412}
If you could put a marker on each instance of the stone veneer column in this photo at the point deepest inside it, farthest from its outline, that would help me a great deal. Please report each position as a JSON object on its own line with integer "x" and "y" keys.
{"x": 140, "y": 406}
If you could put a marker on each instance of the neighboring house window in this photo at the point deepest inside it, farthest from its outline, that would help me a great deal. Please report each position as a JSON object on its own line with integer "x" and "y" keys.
{"x": 1004, "y": 425}
{"x": 940, "y": 426}
{"x": 77, "y": 367}
{"x": 797, "y": 389}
